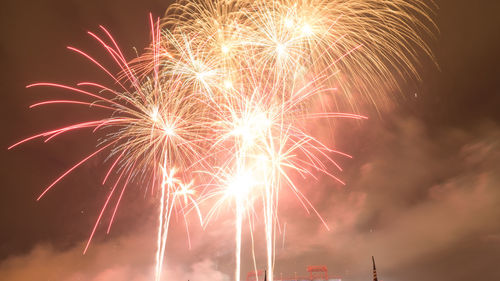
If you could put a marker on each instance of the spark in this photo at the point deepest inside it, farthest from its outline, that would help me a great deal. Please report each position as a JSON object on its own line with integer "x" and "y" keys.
{"x": 225, "y": 49}
{"x": 307, "y": 30}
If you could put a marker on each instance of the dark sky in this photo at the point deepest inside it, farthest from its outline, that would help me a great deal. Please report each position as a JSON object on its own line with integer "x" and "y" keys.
{"x": 422, "y": 194}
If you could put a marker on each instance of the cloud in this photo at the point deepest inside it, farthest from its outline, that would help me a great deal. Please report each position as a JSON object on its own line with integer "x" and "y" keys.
{"x": 124, "y": 258}
{"x": 418, "y": 195}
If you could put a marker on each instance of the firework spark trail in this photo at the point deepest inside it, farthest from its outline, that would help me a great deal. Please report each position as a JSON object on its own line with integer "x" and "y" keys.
{"x": 145, "y": 126}
{"x": 223, "y": 96}
{"x": 277, "y": 46}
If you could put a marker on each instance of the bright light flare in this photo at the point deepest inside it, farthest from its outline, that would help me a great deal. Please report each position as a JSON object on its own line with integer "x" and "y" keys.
{"x": 241, "y": 185}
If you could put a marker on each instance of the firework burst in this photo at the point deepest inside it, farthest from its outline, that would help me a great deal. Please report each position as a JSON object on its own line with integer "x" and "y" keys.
{"x": 221, "y": 99}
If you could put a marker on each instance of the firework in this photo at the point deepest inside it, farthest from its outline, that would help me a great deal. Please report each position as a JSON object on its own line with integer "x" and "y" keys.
{"x": 221, "y": 99}
{"x": 275, "y": 59}
{"x": 153, "y": 133}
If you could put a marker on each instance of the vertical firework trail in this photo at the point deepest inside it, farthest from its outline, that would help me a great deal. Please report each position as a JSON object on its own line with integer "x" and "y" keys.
{"x": 223, "y": 101}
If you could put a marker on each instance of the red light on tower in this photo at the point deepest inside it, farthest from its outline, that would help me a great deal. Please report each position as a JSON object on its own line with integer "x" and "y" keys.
{"x": 317, "y": 272}
{"x": 255, "y": 275}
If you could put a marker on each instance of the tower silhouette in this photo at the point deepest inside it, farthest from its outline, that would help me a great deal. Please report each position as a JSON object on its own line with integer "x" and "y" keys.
{"x": 374, "y": 270}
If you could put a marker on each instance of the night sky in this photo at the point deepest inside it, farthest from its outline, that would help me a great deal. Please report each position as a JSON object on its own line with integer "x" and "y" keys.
{"x": 422, "y": 193}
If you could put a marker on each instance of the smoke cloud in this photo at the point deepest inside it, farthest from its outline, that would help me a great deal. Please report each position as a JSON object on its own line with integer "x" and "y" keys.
{"x": 425, "y": 204}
